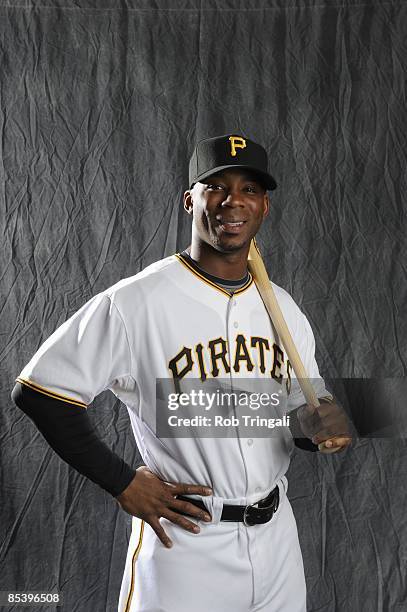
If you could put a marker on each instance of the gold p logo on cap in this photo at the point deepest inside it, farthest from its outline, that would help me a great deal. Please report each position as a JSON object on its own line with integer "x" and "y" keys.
{"x": 236, "y": 142}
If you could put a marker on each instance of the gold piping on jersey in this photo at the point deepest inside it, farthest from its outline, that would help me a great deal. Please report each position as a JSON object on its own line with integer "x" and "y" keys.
{"x": 45, "y": 391}
{"x": 133, "y": 562}
{"x": 211, "y": 283}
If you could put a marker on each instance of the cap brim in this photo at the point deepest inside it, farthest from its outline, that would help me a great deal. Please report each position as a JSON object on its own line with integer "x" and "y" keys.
{"x": 266, "y": 179}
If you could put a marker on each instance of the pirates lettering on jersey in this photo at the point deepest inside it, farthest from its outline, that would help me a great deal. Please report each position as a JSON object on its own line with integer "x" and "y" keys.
{"x": 213, "y": 359}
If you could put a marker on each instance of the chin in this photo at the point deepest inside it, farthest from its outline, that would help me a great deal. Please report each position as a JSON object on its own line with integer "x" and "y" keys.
{"x": 230, "y": 246}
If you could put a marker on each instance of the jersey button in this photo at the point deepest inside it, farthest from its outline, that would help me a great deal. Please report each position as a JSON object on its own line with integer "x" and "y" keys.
{"x": 235, "y": 324}
{"x": 249, "y": 442}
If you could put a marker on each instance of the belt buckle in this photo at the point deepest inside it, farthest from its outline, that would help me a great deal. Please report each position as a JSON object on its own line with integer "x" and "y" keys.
{"x": 245, "y": 513}
{"x": 273, "y": 508}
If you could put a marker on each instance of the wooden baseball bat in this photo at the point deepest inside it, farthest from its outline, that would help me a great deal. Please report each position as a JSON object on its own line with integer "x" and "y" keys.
{"x": 261, "y": 278}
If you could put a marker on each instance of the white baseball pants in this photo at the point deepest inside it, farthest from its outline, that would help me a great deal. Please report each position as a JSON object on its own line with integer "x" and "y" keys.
{"x": 227, "y": 567}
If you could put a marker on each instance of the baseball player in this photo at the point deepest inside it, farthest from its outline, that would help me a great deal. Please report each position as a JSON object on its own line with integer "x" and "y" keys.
{"x": 212, "y": 526}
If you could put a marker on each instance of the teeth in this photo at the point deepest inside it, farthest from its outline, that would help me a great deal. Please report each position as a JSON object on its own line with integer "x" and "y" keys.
{"x": 233, "y": 222}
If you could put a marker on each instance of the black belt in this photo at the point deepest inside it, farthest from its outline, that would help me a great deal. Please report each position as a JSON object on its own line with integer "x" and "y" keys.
{"x": 254, "y": 514}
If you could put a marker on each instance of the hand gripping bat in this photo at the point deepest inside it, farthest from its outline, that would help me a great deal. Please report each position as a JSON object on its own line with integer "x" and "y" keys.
{"x": 261, "y": 278}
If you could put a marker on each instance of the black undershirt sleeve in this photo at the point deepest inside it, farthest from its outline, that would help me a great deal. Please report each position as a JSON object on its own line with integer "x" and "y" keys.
{"x": 68, "y": 430}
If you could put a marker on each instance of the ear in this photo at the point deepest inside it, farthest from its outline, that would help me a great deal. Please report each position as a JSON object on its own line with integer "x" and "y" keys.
{"x": 266, "y": 204}
{"x": 188, "y": 204}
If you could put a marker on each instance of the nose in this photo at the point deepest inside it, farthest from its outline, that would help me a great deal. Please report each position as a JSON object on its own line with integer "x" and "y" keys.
{"x": 233, "y": 198}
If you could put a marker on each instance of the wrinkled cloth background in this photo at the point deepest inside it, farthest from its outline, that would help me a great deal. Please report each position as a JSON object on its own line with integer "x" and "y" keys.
{"x": 100, "y": 106}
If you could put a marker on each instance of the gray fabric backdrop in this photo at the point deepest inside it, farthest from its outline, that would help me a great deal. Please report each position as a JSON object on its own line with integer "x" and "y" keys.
{"x": 100, "y": 104}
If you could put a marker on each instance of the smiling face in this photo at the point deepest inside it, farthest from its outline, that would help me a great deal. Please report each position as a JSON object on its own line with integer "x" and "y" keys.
{"x": 228, "y": 209}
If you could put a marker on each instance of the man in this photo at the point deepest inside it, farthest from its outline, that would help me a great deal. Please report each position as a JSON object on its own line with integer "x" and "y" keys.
{"x": 219, "y": 503}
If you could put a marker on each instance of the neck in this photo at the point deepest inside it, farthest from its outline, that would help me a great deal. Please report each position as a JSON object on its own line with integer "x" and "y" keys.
{"x": 230, "y": 266}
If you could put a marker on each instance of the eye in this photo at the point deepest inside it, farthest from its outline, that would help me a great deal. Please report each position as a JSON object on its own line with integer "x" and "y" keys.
{"x": 251, "y": 188}
{"x": 214, "y": 187}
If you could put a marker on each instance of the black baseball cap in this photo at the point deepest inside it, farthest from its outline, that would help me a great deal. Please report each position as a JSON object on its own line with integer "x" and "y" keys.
{"x": 212, "y": 155}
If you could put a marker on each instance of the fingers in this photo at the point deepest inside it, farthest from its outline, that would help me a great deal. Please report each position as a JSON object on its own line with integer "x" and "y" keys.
{"x": 185, "y": 507}
{"x": 177, "y": 519}
{"x": 150, "y": 498}
{"x": 162, "y": 536}
{"x": 181, "y": 521}
{"x": 331, "y": 433}
{"x": 188, "y": 489}
{"x": 333, "y": 445}
{"x": 327, "y": 421}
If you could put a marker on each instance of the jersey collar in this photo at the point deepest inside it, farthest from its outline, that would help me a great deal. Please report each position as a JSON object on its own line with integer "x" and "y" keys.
{"x": 203, "y": 277}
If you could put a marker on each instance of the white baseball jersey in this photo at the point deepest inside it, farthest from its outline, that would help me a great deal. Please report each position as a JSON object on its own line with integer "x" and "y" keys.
{"x": 130, "y": 335}
{"x": 168, "y": 321}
